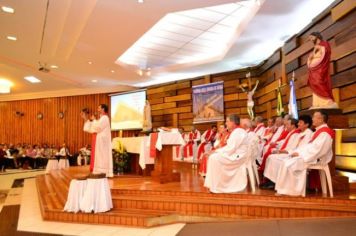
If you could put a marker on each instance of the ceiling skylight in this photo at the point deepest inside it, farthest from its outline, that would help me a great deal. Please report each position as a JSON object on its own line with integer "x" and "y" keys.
{"x": 32, "y": 79}
{"x": 190, "y": 37}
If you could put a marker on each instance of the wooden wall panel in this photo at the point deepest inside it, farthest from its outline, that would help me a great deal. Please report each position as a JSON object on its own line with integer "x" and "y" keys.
{"x": 51, "y": 129}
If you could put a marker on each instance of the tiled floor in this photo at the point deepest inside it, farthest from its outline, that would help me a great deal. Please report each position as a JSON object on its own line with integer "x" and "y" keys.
{"x": 30, "y": 220}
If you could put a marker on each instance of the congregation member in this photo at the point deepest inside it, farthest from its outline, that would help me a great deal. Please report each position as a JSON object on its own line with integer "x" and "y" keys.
{"x": 84, "y": 155}
{"x": 103, "y": 162}
{"x": 274, "y": 161}
{"x": 191, "y": 146}
{"x": 2, "y": 159}
{"x": 226, "y": 170}
{"x": 291, "y": 178}
{"x": 207, "y": 140}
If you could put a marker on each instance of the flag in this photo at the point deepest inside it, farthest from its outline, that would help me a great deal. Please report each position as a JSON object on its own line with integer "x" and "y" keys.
{"x": 280, "y": 109}
{"x": 292, "y": 106}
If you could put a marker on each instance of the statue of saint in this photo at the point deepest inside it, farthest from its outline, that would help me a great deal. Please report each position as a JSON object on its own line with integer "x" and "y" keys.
{"x": 319, "y": 76}
{"x": 147, "y": 120}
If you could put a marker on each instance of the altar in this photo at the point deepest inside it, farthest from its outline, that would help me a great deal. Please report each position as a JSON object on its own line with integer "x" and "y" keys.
{"x": 163, "y": 159}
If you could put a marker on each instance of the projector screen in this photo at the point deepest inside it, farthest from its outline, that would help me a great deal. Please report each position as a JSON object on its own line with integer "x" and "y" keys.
{"x": 127, "y": 110}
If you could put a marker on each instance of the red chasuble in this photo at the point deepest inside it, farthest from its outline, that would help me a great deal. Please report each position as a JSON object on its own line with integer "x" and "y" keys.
{"x": 319, "y": 77}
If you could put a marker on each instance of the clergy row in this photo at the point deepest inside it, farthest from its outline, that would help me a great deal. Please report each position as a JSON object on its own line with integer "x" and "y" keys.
{"x": 283, "y": 150}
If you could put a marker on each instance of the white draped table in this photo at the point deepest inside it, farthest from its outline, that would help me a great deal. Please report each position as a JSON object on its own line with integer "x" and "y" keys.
{"x": 139, "y": 145}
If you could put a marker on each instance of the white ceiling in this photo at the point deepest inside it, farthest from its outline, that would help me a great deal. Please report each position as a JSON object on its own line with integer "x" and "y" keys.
{"x": 78, "y": 31}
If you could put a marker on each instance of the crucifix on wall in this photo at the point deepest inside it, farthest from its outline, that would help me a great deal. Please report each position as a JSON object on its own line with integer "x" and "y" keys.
{"x": 250, "y": 92}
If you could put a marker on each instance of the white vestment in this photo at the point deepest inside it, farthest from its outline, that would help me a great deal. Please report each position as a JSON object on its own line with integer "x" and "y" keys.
{"x": 203, "y": 139}
{"x": 274, "y": 138}
{"x": 103, "y": 154}
{"x": 291, "y": 178}
{"x": 260, "y": 130}
{"x": 226, "y": 172}
{"x": 274, "y": 161}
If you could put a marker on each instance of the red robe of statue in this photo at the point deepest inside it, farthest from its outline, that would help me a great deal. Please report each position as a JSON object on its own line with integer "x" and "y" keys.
{"x": 319, "y": 76}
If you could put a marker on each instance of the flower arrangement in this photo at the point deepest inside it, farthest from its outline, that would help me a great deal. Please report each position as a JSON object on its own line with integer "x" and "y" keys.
{"x": 121, "y": 158}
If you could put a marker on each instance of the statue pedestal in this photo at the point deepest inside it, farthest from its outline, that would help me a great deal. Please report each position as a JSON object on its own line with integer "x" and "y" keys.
{"x": 336, "y": 121}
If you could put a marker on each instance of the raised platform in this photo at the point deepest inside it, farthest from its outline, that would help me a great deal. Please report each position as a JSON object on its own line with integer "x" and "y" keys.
{"x": 141, "y": 202}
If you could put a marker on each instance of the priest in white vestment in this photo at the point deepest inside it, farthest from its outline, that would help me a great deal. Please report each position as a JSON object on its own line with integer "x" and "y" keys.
{"x": 274, "y": 161}
{"x": 260, "y": 127}
{"x": 103, "y": 162}
{"x": 291, "y": 178}
{"x": 226, "y": 170}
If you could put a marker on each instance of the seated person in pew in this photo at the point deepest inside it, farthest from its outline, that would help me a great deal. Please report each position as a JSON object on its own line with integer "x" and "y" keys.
{"x": 291, "y": 177}
{"x": 84, "y": 155}
{"x": 226, "y": 170}
{"x": 274, "y": 160}
{"x": 220, "y": 141}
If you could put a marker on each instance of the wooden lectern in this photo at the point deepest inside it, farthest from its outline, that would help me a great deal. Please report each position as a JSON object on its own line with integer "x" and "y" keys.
{"x": 163, "y": 167}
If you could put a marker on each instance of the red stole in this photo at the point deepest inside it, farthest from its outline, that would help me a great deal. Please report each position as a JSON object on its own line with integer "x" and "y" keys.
{"x": 209, "y": 137}
{"x": 321, "y": 130}
{"x": 258, "y": 127}
{"x": 319, "y": 77}
{"x": 296, "y": 131}
{"x": 189, "y": 145}
{"x": 92, "y": 153}
{"x": 153, "y": 141}
{"x": 269, "y": 150}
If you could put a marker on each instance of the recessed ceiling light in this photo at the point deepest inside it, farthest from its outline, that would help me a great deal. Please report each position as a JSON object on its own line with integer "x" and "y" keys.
{"x": 5, "y": 86}
{"x": 7, "y": 9}
{"x": 94, "y": 81}
{"x": 140, "y": 1}
{"x": 12, "y": 38}
{"x": 90, "y": 62}
{"x": 112, "y": 71}
{"x": 54, "y": 66}
{"x": 32, "y": 79}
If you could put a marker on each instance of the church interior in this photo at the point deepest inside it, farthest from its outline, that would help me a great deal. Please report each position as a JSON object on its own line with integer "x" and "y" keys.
{"x": 135, "y": 117}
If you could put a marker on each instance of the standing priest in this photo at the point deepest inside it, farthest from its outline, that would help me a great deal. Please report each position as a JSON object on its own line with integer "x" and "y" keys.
{"x": 103, "y": 154}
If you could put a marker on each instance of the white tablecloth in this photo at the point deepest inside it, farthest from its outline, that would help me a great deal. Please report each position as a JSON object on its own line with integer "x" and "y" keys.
{"x": 52, "y": 164}
{"x": 75, "y": 194}
{"x": 63, "y": 163}
{"x": 97, "y": 196}
{"x": 139, "y": 145}
{"x": 169, "y": 138}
